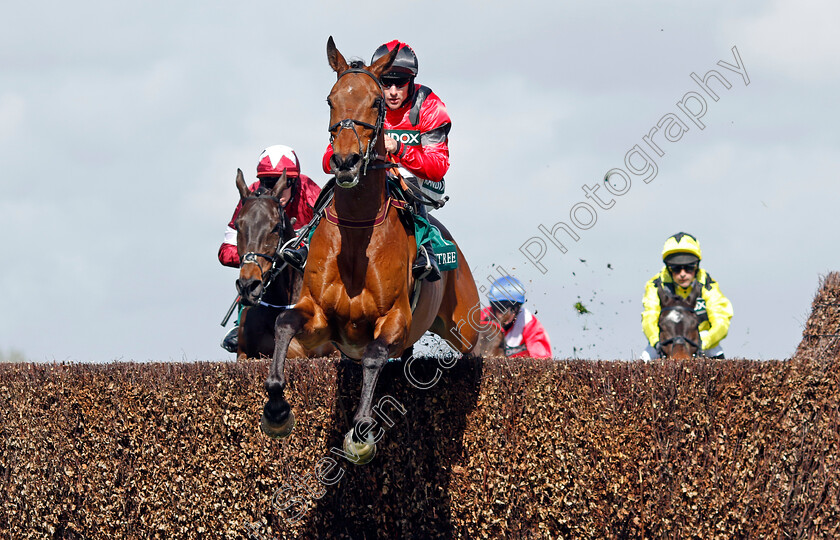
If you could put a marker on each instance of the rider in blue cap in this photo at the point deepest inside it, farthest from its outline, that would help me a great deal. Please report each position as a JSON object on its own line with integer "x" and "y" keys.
{"x": 525, "y": 335}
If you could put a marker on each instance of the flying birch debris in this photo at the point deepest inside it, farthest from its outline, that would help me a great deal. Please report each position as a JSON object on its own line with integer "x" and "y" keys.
{"x": 581, "y": 308}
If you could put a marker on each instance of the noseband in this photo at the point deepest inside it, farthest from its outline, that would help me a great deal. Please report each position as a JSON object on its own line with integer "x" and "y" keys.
{"x": 379, "y": 162}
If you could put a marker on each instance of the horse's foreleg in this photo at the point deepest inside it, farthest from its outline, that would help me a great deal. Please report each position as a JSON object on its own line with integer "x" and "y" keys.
{"x": 376, "y": 356}
{"x": 360, "y": 442}
{"x": 389, "y": 335}
{"x": 277, "y": 418}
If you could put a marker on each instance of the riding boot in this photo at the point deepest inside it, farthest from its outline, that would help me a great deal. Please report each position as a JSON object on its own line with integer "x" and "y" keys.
{"x": 425, "y": 265}
{"x": 230, "y": 342}
{"x": 296, "y": 258}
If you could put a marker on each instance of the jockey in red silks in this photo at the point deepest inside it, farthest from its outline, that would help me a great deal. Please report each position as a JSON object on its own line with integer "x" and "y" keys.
{"x": 299, "y": 197}
{"x": 298, "y": 200}
{"x": 525, "y": 335}
{"x": 416, "y": 130}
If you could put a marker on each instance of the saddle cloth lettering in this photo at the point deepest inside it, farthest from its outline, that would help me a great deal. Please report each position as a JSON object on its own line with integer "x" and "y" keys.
{"x": 445, "y": 251}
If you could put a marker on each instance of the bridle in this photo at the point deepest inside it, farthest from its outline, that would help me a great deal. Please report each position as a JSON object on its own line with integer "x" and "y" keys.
{"x": 677, "y": 340}
{"x": 252, "y": 257}
{"x": 369, "y": 159}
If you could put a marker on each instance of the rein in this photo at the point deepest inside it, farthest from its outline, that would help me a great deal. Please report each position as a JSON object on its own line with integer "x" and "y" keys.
{"x": 679, "y": 339}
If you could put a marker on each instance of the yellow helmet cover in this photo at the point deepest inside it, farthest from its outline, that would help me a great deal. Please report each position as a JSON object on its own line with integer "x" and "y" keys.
{"x": 681, "y": 244}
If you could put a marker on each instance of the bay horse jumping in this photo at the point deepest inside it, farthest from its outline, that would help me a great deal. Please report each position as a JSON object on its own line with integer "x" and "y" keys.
{"x": 265, "y": 286}
{"x": 679, "y": 336}
{"x": 357, "y": 285}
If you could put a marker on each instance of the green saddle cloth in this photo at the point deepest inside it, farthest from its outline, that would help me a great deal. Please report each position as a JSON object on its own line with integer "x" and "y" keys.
{"x": 445, "y": 251}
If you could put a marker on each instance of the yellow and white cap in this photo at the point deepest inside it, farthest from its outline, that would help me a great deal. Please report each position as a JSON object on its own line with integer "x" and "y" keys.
{"x": 681, "y": 248}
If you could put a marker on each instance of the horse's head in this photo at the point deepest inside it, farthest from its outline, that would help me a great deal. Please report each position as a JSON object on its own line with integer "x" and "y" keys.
{"x": 357, "y": 111}
{"x": 490, "y": 341}
{"x": 261, "y": 226}
{"x": 679, "y": 335}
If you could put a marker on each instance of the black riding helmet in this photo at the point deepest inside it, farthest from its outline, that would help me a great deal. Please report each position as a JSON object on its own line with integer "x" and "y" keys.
{"x": 404, "y": 63}
{"x": 404, "y": 66}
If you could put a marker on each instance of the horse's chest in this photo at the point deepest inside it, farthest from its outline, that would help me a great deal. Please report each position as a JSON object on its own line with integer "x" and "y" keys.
{"x": 352, "y": 316}
{"x": 352, "y": 336}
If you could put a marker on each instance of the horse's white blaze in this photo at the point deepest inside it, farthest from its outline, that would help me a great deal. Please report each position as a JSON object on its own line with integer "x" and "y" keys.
{"x": 674, "y": 316}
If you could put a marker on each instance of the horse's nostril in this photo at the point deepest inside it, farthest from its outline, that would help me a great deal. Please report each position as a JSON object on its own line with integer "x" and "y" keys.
{"x": 249, "y": 289}
{"x": 346, "y": 163}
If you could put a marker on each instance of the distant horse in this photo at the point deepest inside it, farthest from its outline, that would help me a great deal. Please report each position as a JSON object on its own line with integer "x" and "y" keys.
{"x": 357, "y": 286}
{"x": 679, "y": 336}
{"x": 264, "y": 287}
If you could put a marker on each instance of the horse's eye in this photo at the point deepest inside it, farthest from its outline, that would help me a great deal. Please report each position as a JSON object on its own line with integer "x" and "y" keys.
{"x": 377, "y": 103}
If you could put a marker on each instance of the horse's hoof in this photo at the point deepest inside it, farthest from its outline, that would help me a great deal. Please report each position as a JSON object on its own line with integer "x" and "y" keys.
{"x": 359, "y": 453}
{"x": 278, "y": 431}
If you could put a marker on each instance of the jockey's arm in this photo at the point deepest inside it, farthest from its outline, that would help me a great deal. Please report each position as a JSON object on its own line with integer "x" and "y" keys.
{"x": 720, "y": 311}
{"x": 228, "y": 253}
{"x": 429, "y": 160}
{"x": 650, "y": 315}
{"x": 536, "y": 340}
{"x": 325, "y": 161}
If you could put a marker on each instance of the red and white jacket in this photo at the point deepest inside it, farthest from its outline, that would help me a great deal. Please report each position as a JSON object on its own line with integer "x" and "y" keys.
{"x": 525, "y": 338}
{"x": 300, "y": 207}
{"x": 421, "y": 129}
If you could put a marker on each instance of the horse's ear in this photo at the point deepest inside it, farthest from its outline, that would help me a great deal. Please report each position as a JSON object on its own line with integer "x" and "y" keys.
{"x": 336, "y": 59}
{"x": 663, "y": 296}
{"x": 666, "y": 299}
{"x": 381, "y": 65}
{"x": 696, "y": 291}
{"x": 244, "y": 192}
{"x": 282, "y": 183}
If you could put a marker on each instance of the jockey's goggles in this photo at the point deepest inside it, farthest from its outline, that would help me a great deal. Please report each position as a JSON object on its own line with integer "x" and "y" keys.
{"x": 270, "y": 181}
{"x": 394, "y": 79}
{"x": 503, "y": 306}
{"x": 677, "y": 268}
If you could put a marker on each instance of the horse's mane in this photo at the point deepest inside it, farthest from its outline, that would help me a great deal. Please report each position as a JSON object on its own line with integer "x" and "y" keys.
{"x": 357, "y": 63}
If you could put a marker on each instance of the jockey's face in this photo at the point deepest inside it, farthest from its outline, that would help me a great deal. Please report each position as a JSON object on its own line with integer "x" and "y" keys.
{"x": 683, "y": 274}
{"x": 395, "y": 90}
{"x": 505, "y": 312}
{"x": 270, "y": 181}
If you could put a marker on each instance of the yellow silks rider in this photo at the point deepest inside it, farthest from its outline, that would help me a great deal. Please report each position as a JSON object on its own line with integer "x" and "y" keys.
{"x": 681, "y": 255}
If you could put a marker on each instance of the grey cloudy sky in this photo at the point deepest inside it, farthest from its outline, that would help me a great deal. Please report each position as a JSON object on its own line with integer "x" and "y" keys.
{"x": 122, "y": 125}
